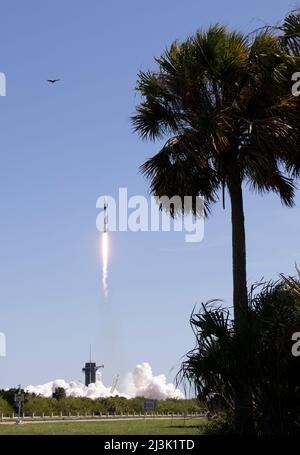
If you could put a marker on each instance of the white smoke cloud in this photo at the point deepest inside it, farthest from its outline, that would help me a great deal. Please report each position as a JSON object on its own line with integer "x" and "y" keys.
{"x": 140, "y": 382}
{"x": 73, "y": 389}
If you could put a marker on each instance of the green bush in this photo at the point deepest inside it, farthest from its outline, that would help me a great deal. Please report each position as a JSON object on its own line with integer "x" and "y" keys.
{"x": 74, "y": 405}
{"x": 213, "y": 367}
{"x": 181, "y": 406}
{"x": 219, "y": 424}
{"x": 38, "y": 405}
{"x": 5, "y": 408}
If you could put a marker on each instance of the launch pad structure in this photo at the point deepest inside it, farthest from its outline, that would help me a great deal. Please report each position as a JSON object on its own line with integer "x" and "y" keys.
{"x": 90, "y": 369}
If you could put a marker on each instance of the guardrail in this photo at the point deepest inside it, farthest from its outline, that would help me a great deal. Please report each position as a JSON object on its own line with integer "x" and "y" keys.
{"x": 101, "y": 416}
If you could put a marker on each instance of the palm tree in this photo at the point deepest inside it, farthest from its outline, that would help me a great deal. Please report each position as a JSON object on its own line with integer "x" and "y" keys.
{"x": 222, "y": 103}
{"x": 290, "y": 38}
{"x": 293, "y": 284}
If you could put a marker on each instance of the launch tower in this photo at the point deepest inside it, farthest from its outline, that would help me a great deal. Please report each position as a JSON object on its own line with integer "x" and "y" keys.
{"x": 90, "y": 370}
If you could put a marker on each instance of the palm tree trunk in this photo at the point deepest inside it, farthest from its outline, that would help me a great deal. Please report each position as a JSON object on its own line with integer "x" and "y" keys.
{"x": 243, "y": 395}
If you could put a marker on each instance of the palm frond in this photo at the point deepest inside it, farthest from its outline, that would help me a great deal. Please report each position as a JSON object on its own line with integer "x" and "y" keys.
{"x": 219, "y": 100}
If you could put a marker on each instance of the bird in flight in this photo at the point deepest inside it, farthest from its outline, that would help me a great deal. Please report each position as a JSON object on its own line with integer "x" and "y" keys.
{"x": 52, "y": 81}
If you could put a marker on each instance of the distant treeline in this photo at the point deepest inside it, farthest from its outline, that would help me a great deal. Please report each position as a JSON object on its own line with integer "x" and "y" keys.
{"x": 39, "y": 405}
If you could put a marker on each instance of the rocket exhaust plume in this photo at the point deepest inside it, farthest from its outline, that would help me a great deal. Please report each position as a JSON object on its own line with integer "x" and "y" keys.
{"x": 104, "y": 252}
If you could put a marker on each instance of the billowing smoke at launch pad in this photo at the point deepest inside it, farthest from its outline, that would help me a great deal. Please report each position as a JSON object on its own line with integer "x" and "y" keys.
{"x": 141, "y": 382}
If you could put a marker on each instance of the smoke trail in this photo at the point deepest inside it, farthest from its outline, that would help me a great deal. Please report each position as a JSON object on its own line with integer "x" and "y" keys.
{"x": 105, "y": 262}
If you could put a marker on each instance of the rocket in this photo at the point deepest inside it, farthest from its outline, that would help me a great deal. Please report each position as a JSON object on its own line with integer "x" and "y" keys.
{"x": 105, "y": 218}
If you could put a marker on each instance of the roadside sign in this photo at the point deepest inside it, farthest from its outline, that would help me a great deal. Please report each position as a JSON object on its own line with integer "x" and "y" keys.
{"x": 149, "y": 405}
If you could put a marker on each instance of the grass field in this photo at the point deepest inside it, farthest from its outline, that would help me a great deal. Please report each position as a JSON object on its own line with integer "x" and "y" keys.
{"x": 144, "y": 427}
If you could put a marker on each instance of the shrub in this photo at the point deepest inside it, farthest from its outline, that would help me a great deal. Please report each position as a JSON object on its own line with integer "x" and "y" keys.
{"x": 213, "y": 366}
{"x": 38, "y": 405}
{"x": 219, "y": 424}
{"x": 5, "y": 408}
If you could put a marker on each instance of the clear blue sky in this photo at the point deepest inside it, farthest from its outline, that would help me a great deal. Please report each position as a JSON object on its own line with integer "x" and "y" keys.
{"x": 62, "y": 146}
